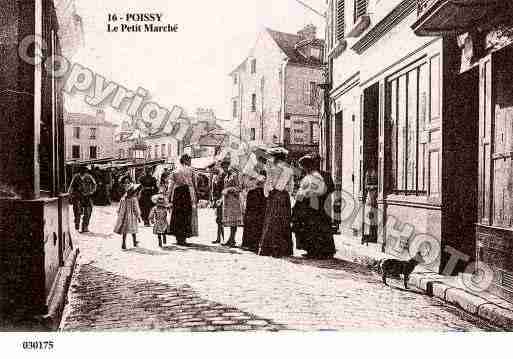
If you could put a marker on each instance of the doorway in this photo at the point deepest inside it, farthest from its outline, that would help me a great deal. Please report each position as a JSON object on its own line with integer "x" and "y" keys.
{"x": 369, "y": 166}
{"x": 461, "y": 168}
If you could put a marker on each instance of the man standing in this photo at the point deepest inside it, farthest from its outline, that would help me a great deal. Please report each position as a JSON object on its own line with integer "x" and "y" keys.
{"x": 149, "y": 188}
{"x": 81, "y": 189}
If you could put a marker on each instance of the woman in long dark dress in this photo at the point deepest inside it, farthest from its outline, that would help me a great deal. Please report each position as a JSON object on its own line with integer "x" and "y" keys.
{"x": 182, "y": 197}
{"x": 311, "y": 225}
{"x": 276, "y": 238}
{"x": 253, "y": 182}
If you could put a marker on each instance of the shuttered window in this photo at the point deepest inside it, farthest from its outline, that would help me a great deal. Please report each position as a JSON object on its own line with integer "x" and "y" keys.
{"x": 340, "y": 26}
{"x": 360, "y": 8}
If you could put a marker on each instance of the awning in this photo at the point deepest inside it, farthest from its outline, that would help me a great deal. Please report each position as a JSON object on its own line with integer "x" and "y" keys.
{"x": 443, "y": 17}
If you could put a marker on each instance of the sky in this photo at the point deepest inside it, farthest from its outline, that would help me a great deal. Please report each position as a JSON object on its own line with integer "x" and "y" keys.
{"x": 188, "y": 68}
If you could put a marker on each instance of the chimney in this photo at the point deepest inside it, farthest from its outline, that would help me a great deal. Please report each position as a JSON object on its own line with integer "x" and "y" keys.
{"x": 309, "y": 32}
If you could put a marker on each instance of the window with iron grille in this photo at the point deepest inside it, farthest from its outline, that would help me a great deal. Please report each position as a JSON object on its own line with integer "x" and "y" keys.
{"x": 360, "y": 8}
{"x": 253, "y": 102}
{"x": 235, "y": 108}
{"x": 313, "y": 93}
{"x": 92, "y": 133}
{"x": 340, "y": 20}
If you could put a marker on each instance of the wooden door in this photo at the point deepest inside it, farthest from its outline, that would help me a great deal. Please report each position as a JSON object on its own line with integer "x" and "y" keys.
{"x": 485, "y": 140}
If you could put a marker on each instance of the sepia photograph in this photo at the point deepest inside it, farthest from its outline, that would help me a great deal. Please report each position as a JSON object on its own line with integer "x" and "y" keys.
{"x": 254, "y": 167}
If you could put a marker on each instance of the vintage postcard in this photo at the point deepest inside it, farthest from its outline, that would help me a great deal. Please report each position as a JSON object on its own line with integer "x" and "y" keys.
{"x": 255, "y": 166}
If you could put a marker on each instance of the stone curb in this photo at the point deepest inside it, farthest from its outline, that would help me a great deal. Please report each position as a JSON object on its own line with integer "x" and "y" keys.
{"x": 433, "y": 284}
{"x": 51, "y": 320}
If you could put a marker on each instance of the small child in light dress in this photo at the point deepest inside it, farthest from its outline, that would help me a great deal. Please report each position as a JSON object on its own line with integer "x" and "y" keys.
{"x": 129, "y": 214}
{"x": 158, "y": 217}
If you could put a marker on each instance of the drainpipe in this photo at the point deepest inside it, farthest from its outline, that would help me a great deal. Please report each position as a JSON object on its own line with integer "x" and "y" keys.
{"x": 283, "y": 99}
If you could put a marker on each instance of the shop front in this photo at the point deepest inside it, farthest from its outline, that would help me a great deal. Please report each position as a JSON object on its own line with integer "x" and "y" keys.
{"x": 484, "y": 76}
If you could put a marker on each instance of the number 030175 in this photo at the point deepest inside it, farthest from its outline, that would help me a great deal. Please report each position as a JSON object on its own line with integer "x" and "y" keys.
{"x": 38, "y": 345}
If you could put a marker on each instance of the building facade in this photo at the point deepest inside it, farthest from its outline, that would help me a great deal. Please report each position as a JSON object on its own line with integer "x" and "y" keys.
{"x": 88, "y": 137}
{"x": 37, "y": 251}
{"x": 394, "y": 108}
{"x": 481, "y": 79}
{"x": 275, "y": 93}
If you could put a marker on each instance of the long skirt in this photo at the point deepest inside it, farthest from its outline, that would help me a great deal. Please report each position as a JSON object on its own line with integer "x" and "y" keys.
{"x": 232, "y": 210}
{"x": 276, "y": 240}
{"x": 253, "y": 219}
{"x": 145, "y": 203}
{"x": 312, "y": 229}
{"x": 182, "y": 214}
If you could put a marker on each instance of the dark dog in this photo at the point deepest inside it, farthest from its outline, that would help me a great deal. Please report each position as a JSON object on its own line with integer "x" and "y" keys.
{"x": 395, "y": 267}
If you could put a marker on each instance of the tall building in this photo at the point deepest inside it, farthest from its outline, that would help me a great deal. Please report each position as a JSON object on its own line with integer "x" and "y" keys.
{"x": 88, "y": 137}
{"x": 275, "y": 93}
{"x": 417, "y": 94}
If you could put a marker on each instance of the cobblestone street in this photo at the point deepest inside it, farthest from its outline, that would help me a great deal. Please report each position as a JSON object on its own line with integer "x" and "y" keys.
{"x": 206, "y": 287}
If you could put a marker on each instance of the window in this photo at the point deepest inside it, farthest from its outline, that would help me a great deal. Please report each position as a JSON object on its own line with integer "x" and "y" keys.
{"x": 163, "y": 150}
{"x": 169, "y": 150}
{"x": 93, "y": 152}
{"x": 75, "y": 151}
{"x": 286, "y": 136}
{"x": 92, "y": 133}
{"x": 156, "y": 151}
{"x": 235, "y": 79}
{"x": 253, "y": 102}
{"x": 252, "y": 135}
{"x": 121, "y": 153}
{"x": 407, "y": 99}
{"x": 76, "y": 132}
{"x": 360, "y": 8}
{"x": 314, "y": 133}
{"x": 149, "y": 152}
{"x": 340, "y": 20}
{"x": 313, "y": 93}
{"x": 234, "y": 108}
{"x": 253, "y": 66}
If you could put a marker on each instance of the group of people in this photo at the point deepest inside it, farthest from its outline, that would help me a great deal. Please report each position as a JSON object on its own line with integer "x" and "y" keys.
{"x": 151, "y": 203}
{"x": 259, "y": 200}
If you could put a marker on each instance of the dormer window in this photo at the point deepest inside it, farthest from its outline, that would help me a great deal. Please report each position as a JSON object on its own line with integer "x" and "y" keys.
{"x": 235, "y": 79}
{"x": 253, "y": 66}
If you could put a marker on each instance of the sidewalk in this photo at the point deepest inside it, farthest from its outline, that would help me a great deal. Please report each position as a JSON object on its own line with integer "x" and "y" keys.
{"x": 450, "y": 290}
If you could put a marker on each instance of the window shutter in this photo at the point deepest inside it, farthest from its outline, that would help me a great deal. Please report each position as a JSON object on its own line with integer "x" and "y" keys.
{"x": 340, "y": 27}
{"x": 360, "y": 8}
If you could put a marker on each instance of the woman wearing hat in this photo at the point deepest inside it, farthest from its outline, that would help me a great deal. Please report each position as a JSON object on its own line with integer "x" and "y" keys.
{"x": 253, "y": 182}
{"x": 276, "y": 237}
{"x": 232, "y": 207}
{"x": 183, "y": 202}
{"x": 311, "y": 225}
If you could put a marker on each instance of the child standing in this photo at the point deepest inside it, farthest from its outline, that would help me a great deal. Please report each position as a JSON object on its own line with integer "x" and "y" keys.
{"x": 158, "y": 217}
{"x": 129, "y": 215}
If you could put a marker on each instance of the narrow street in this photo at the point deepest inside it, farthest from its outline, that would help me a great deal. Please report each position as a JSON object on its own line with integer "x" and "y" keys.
{"x": 206, "y": 287}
